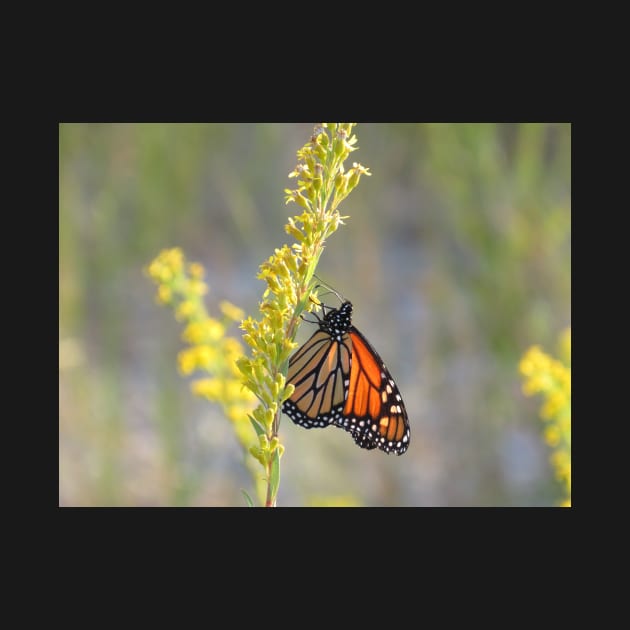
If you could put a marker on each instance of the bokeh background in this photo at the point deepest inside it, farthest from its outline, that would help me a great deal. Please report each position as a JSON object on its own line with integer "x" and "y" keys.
{"x": 456, "y": 256}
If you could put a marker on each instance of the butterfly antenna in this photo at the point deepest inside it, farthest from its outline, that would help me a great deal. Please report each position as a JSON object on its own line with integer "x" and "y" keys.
{"x": 328, "y": 287}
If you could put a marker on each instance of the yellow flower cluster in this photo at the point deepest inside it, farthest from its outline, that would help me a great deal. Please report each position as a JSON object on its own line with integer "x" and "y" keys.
{"x": 322, "y": 184}
{"x": 176, "y": 280}
{"x": 552, "y": 378}
{"x": 181, "y": 285}
{"x": 262, "y": 373}
{"x": 322, "y": 181}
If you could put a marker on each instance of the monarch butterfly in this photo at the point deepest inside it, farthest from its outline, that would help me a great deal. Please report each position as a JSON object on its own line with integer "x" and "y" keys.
{"x": 340, "y": 379}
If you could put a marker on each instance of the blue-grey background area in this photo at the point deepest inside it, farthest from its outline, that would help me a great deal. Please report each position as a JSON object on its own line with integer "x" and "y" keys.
{"x": 456, "y": 256}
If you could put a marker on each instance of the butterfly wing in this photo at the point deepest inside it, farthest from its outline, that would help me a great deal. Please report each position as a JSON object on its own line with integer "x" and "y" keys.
{"x": 374, "y": 412}
{"x": 319, "y": 371}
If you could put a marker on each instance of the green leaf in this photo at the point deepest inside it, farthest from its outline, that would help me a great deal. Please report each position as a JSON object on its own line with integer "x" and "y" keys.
{"x": 257, "y": 426}
{"x": 248, "y": 499}
{"x": 274, "y": 479}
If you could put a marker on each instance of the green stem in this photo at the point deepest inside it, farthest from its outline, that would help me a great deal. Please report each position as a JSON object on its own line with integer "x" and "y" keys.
{"x": 269, "y": 501}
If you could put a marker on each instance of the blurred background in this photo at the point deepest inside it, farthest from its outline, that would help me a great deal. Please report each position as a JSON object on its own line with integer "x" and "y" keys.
{"x": 456, "y": 256}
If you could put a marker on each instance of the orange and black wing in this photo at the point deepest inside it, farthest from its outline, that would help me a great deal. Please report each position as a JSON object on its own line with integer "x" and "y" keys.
{"x": 319, "y": 370}
{"x": 374, "y": 412}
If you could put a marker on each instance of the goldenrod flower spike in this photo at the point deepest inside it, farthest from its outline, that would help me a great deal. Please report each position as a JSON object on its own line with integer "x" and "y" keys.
{"x": 552, "y": 378}
{"x": 321, "y": 185}
{"x": 209, "y": 349}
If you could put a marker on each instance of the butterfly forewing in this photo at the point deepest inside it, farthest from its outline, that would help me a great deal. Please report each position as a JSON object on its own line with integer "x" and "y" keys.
{"x": 318, "y": 371}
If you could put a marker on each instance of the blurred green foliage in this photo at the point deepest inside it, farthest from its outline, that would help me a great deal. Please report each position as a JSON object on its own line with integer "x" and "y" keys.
{"x": 456, "y": 257}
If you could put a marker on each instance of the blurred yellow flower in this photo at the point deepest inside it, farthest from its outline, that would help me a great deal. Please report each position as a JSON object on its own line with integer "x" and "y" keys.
{"x": 552, "y": 378}
{"x": 206, "y": 356}
{"x": 174, "y": 258}
{"x": 194, "y": 333}
{"x": 209, "y": 350}
{"x": 197, "y": 287}
{"x": 165, "y": 275}
{"x": 154, "y": 269}
{"x": 187, "y": 361}
{"x": 234, "y": 390}
{"x": 209, "y": 388}
{"x": 552, "y": 436}
{"x": 232, "y": 347}
{"x": 235, "y": 412}
{"x": 184, "y": 310}
{"x": 196, "y": 270}
{"x": 555, "y": 403}
{"x": 233, "y": 312}
{"x": 164, "y": 295}
{"x": 213, "y": 329}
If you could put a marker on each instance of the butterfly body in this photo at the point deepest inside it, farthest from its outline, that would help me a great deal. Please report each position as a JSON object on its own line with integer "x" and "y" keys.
{"x": 340, "y": 380}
